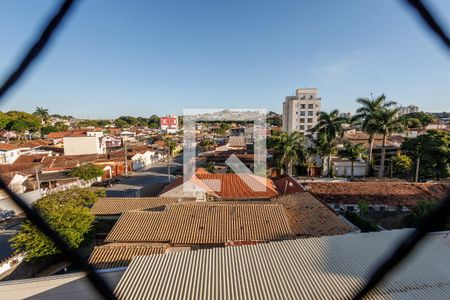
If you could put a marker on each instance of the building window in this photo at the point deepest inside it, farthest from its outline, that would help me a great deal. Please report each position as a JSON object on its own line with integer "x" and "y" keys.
{"x": 296, "y": 112}
{"x": 337, "y": 206}
{"x": 310, "y": 113}
{"x": 302, "y": 113}
{"x": 310, "y": 120}
{"x": 302, "y": 127}
{"x": 310, "y": 106}
{"x": 309, "y": 126}
{"x": 350, "y": 208}
{"x": 303, "y": 106}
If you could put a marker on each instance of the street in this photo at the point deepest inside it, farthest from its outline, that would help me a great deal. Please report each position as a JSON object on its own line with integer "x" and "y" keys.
{"x": 146, "y": 182}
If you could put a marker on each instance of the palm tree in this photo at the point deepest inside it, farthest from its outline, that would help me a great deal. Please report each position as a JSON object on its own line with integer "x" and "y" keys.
{"x": 352, "y": 152}
{"x": 309, "y": 161}
{"x": 329, "y": 127}
{"x": 366, "y": 116}
{"x": 288, "y": 150}
{"x": 43, "y": 114}
{"x": 388, "y": 122}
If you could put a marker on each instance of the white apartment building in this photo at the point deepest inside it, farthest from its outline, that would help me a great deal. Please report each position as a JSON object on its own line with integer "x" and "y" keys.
{"x": 300, "y": 112}
{"x": 404, "y": 110}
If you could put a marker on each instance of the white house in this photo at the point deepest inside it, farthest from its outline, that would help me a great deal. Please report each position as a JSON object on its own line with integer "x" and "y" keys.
{"x": 343, "y": 167}
{"x": 140, "y": 160}
{"x": 76, "y": 145}
{"x": 9, "y": 153}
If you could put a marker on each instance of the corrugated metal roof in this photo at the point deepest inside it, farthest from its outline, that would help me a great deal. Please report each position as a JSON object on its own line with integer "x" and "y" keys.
{"x": 120, "y": 254}
{"x": 313, "y": 268}
{"x": 203, "y": 223}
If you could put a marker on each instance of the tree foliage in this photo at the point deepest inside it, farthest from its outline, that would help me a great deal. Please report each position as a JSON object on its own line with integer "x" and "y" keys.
{"x": 352, "y": 152}
{"x": 86, "y": 172}
{"x": 329, "y": 127}
{"x": 433, "y": 148}
{"x": 288, "y": 150}
{"x": 366, "y": 116}
{"x": 422, "y": 117}
{"x": 66, "y": 212}
{"x": 401, "y": 165}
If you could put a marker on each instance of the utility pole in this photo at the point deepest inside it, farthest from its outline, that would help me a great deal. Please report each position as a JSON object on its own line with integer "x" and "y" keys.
{"x": 168, "y": 162}
{"x": 37, "y": 180}
{"x": 126, "y": 162}
{"x": 416, "y": 179}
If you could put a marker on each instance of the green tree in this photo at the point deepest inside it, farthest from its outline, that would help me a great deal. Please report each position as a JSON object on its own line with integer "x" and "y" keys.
{"x": 207, "y": 145}
{"x": 423, "y": 117}
{"x": 388, "y": 122}
{"x": 352, "y": 152}
{"x": 4, "y": 120}
{"x": 19, "y": 127}
{"x": 121, "y": 123}
{"x": 329, "y": 127}
{"x": 423, "y": 210}
{"x": 66, "y": 212}
{"x": 433, "y": 149}
{"x": 366, "y": 116}
{"x": 170, "y": 145}
{"x": 401, "y": 164}
{"x": 154, "y": 121}
{"x": 86, "y": 172}
{"x": 309, "y": 161}
{"x": 288, "y": 150}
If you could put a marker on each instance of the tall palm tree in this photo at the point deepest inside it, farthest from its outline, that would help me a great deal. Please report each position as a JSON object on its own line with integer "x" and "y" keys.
{"x": 366, "y": 116}
{"x": 43, "y": 114}
{"x": 352, "y": 152}
{"x": 388, "y": 122}
{"x": 288, "y": 150}
{"x": 329, "y": 127}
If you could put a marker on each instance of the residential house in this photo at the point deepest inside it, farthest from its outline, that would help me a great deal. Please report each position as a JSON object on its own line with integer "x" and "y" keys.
{"x": 9, "y": 153}
{"x": 379, "y": 196}
{"x": 206, "y": 186}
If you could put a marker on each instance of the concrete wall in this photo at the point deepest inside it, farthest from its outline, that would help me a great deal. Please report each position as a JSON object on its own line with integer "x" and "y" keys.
{"x": 82, "y": 145}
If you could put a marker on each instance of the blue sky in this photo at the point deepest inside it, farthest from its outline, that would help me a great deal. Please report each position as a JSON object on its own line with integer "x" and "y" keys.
{"x": 114, "y": 58}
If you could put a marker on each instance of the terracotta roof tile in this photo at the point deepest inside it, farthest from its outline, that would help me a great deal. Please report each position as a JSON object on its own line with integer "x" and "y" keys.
{"x": 309, "y": 217}
{"x": 117, "y": 206}
{"x": 287, "y": 185}
{"x": 203, "y": 223}
{"x": 242, "y": 186}
{"x": 116, "y": 255}
{"x": 236, "y": 141}
{"x": 7, "y": 147}
{"x": 387, "y": 193}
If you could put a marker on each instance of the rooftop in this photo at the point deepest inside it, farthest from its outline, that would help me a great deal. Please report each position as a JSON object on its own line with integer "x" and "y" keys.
{"x": 386, "y": 193}
{"x": 119, "y": 205}
{"x": 313, "y": 268}
{"x": 203, "y": 223}
{"x": 117, "y": 255}
{"x": 308, "y": 216}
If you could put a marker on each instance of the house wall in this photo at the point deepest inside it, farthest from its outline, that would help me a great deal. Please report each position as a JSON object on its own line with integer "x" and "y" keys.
{"x": 10, "y": 156}
{"x": 345, "y": 169}
{"x": 83, "y": 145}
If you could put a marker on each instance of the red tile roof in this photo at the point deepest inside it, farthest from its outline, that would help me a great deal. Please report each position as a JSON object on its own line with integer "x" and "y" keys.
{"x": 8, "y": 147}
{"x": 287, "y": 185}
{"x": 61, "y": 134}
{"x": 386, "y": 193}
{"x": 232, "y": 186}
